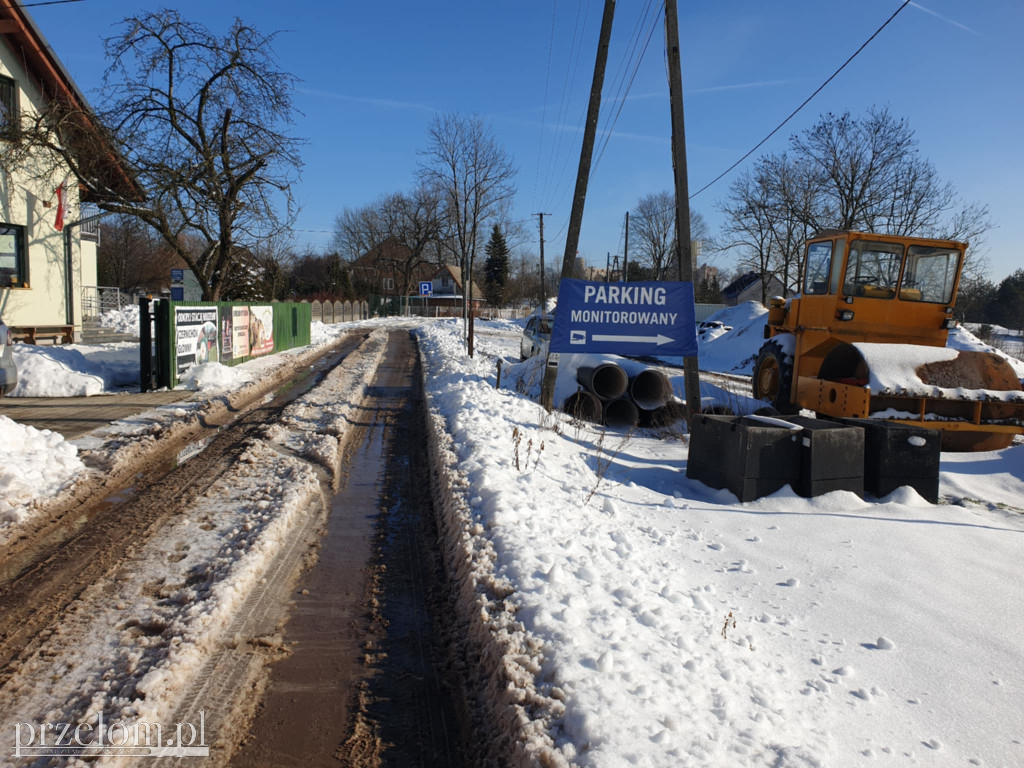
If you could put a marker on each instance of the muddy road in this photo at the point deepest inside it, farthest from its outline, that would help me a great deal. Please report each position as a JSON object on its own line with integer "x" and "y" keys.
{"x": 365, "y": 682}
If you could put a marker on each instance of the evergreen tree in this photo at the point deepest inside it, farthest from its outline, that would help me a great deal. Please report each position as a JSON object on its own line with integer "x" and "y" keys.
{"x": 1008, "y": 308}
{"x": 496, "y": 268}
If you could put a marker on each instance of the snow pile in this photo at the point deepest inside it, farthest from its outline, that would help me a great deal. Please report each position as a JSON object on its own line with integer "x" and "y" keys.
{"x": 33, "y": 463}
{"x": 645, "y": 619}
{"x": 124, "y": 320}
{"x": 962, "y": 339}
{"x": 75, "y": 370}
{"x": 322, "y": 333}
{"x": 733, "y": 351}
{"x": 215, "y": 377}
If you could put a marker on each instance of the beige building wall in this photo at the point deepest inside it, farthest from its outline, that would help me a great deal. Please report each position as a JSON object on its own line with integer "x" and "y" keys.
{"x": 32, "y": 204}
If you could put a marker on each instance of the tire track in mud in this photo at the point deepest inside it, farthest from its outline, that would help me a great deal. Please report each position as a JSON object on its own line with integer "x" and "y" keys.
{"x": 103, "y": 534}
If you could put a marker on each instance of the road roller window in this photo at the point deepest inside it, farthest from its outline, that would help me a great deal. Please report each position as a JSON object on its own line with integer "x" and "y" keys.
{"x": 819, "y": 257}
{"x": 930, "y": 274}
{"x": 873, "y": 270}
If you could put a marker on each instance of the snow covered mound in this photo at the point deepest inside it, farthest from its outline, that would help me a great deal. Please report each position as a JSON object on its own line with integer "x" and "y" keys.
{"x": 75, "y": 370}
{"x": 33, "y": 463}
{"x": 734, "y": 351}
{"x": 214, "y": 377}
{"x": 124, "y": 320}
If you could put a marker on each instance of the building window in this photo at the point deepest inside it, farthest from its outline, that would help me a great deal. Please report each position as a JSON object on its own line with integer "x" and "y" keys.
{"x": 8, "y": 104}
{"x": 13, "y": 259}
{"x": 389, "y": 284}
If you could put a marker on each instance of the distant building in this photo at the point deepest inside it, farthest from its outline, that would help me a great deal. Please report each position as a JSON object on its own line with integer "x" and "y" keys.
{"x": 704, "y": 273}
{"x": 385, "y": 270}
{"x": 748, "y": 288}
{"x": 446, "y": 285}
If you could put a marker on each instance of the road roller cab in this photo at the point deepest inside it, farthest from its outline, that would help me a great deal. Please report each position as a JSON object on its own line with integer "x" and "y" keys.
{"x": 866, "y": 338}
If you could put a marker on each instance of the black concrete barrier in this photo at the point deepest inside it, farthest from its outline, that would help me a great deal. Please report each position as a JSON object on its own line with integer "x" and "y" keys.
{"x": 899, "y": 454}
{"x": 750, "y": 457}
{"x": 831, "y": 457}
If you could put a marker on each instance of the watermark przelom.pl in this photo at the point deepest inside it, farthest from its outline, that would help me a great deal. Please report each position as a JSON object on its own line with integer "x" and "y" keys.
{"x": 138, "y": 739}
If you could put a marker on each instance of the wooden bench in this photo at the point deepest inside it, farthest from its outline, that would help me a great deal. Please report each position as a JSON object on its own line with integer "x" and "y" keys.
{"x": 30, "y": 334}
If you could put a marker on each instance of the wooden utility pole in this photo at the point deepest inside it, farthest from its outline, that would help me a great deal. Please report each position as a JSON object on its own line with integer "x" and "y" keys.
{"x": 543, "y": 288}
{"x": 625, "y": 253}
{"x": 684, "y": 256}
{"x": 572, "y": 237}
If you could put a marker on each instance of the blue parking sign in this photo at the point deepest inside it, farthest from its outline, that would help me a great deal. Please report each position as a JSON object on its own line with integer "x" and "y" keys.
{"x": 426, "y": 288}
{"x": 641, "y": 318}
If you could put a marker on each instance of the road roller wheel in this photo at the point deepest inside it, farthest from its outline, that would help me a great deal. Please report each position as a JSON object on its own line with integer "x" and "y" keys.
{"x": 773, "y": 378}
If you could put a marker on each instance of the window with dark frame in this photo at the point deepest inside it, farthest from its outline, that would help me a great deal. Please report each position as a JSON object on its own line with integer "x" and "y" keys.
{"x": 13, "y": 257}
{"x": 8, "y": 104}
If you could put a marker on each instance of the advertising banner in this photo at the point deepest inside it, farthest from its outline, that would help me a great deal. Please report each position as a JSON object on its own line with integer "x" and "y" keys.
{"x": 225, "y": 336}
{"x": 240, "y": 332}
{"x": 261, "y": 330}
{"x": 195, "y": 336}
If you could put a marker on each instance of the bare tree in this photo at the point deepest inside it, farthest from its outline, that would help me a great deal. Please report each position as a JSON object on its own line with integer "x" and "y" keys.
{"x": 131, "y": 256}
{"x": 473, "y": 175}
{"x": 653, "y": 233}
{"x": 871, "y": 176}
{"x": 200, "y": 120}
{"x": 750, "y": 227}
{"x": 843, "y": 173}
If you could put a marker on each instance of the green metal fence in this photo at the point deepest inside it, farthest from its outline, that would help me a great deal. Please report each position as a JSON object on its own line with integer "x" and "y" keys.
{"x": 189, "y": 333}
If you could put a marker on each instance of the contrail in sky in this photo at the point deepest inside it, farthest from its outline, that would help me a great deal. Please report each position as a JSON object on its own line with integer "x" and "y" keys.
{"x": 373, "y": 102}
{"x": 946, "y": 19}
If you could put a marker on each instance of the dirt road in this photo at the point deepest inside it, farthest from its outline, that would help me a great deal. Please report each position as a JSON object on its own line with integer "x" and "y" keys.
{"x": 364, "y": 684}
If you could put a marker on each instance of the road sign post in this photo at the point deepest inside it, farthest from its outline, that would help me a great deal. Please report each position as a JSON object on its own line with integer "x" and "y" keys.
{"x": 634, "y": 319}
{"x": 426, "y": 291}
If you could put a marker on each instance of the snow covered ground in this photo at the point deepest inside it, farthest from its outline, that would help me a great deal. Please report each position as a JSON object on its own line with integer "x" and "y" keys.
{"x": 671, "y": 625}
{"x": 639, "y": 618}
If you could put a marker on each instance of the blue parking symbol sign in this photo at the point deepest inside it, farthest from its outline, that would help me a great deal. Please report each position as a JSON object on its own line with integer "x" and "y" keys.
{"x": 640, "y": 318}
{"x": 426, "y": 288}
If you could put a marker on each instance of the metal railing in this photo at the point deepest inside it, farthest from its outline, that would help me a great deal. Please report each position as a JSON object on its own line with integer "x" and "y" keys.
{"x": 90, "y": 230}
{"x": 97, "y": 299}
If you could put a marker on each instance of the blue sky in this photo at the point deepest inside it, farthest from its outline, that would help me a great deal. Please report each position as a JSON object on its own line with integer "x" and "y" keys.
{"x": 372, "y": 74}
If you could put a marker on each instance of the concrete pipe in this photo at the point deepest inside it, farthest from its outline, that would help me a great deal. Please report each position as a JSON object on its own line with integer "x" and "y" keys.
{"x": 607, "y": 380}
{"x": 583, "y": 405}
{"x": 621, "y": 413}
{"x": 650, "y": 389}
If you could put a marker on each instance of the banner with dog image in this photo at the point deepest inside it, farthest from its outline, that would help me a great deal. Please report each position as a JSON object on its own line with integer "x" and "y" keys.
{"x": 261, "y": 330}
{"x": 195, "y": 336}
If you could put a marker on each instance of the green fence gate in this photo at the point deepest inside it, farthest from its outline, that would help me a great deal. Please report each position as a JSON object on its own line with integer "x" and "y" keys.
{"x": 189, "y": 333}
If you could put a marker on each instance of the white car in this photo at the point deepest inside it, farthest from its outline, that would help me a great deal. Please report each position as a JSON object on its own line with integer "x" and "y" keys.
{"x": 536, "y": 336}
{"x": 8, "y": 370}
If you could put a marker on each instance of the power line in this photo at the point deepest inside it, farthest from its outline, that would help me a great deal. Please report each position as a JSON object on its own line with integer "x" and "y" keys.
{"x": 544, "y": 113}
{"x": 48, "y": 2}
{"x": 570, "y": 74}
{"x": 805, "y": 102}
{"x": 639, "y": 61}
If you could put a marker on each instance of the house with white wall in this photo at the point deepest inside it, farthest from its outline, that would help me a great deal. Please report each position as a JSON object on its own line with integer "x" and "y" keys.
{"x": 45, "y": 268}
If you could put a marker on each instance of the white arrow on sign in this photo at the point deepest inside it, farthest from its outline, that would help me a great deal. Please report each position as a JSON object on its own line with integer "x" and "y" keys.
{"x": 659, "y": 339}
